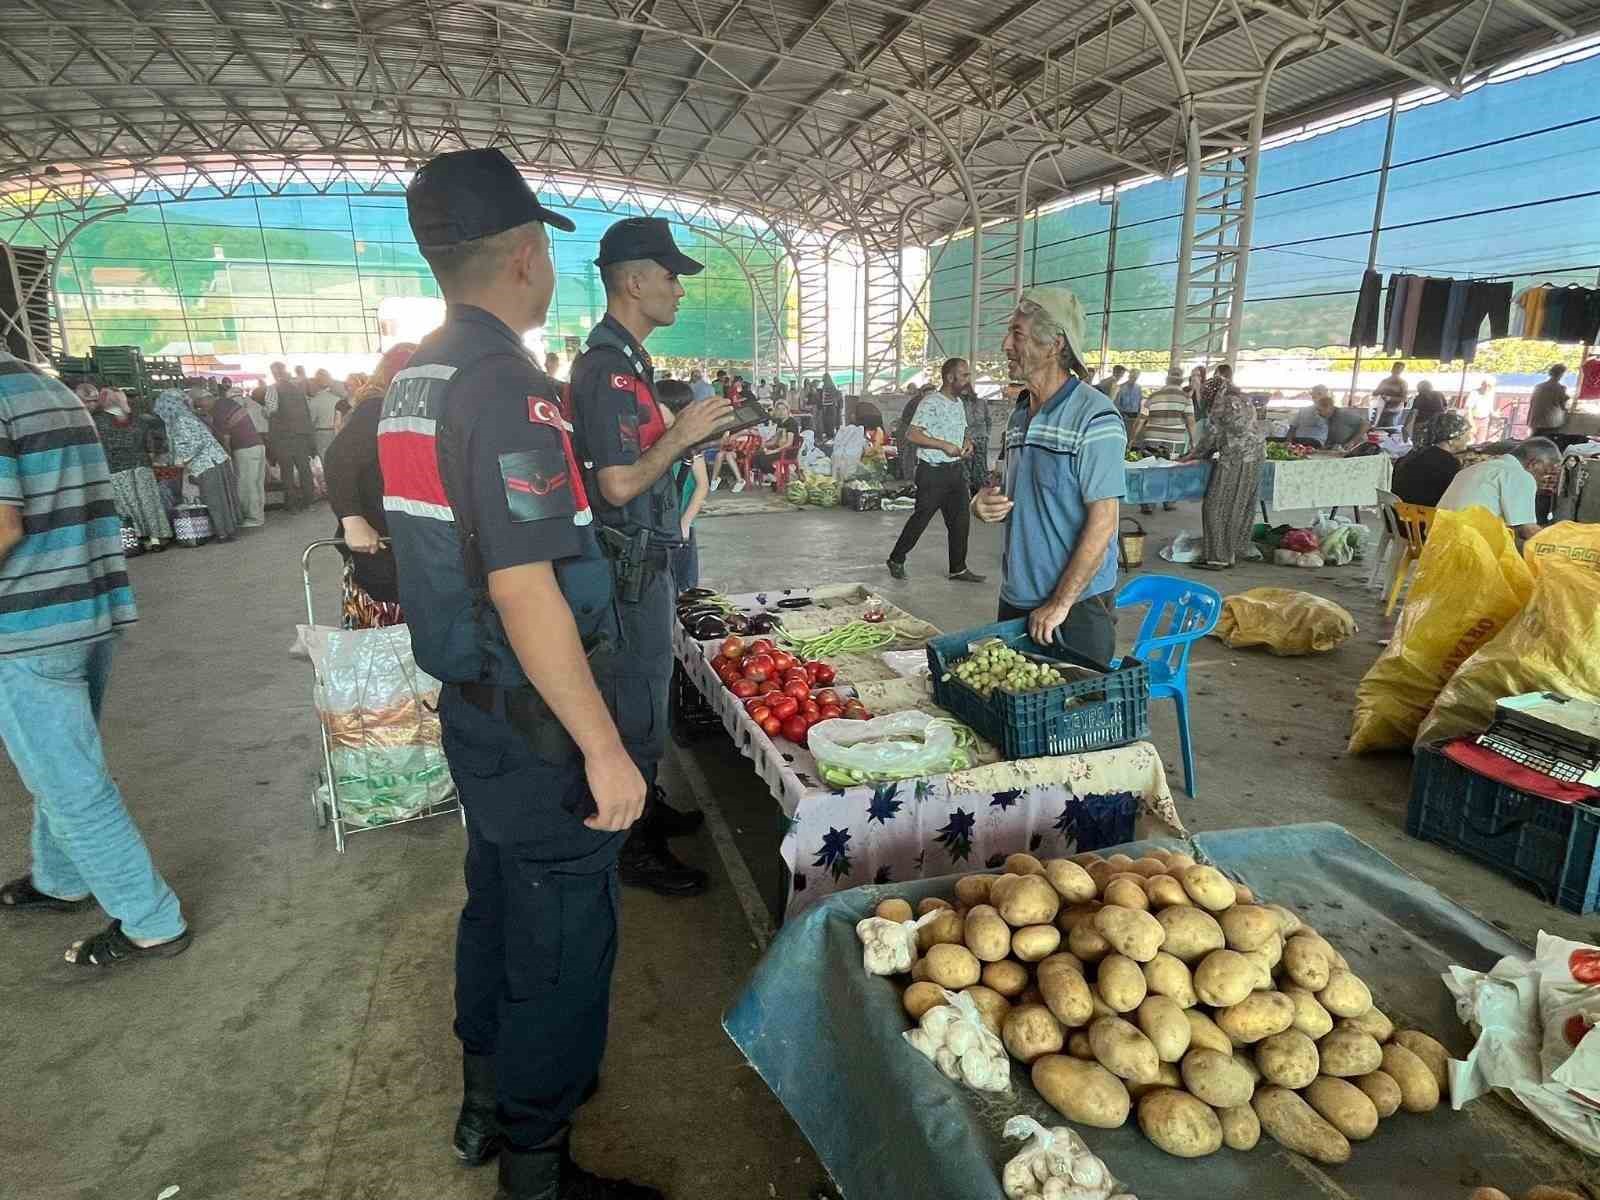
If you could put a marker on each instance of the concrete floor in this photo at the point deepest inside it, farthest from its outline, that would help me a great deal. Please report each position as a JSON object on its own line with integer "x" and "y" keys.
{"x": 302, "y": 1048}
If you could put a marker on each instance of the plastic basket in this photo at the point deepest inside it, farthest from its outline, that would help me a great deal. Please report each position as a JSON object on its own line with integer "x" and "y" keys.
{"x": 1546, "y": 845}
{"x": 1040, "y": 723}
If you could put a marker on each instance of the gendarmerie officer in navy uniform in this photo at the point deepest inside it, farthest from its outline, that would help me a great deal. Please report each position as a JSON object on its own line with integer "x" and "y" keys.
{"x": 628, "y": 453}
{"x": 508, "y": 598}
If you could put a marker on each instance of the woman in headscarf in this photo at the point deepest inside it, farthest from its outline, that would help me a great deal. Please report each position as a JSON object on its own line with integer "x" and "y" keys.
{"x": 1422, "y": 476}
{"x": 355, "y": 491}
{"x": 1233, "y": 433}
{"x": 194, "y": 448}
{"x": 126, "y": 440}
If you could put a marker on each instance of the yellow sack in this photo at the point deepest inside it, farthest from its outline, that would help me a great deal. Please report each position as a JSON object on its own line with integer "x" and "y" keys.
{"x": 1284, "y": 621}
{"x": 1552, "y": 645}
{"x": 1469, "y": 583}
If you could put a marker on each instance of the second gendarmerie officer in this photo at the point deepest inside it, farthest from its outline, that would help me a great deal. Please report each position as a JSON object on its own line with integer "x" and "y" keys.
{"x": 629, "y": 452}
{"x": 507, "y": 597}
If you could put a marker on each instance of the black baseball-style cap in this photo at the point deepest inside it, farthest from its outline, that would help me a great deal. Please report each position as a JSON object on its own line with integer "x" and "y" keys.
{"x": 645, "y": 237}
{"x": 470, "y": 194}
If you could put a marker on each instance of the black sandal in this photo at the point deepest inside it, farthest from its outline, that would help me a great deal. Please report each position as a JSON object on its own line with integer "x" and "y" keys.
{"x": 21, "y": 896}
{"x": 111, "y": 948}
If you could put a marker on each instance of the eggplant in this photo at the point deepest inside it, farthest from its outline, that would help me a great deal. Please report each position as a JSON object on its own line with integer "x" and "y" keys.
{"x": 764, "y": 623}
{"x": 737, "y": 623}
{"x": 697, "y": 593}
{"x": 709, "y": 628}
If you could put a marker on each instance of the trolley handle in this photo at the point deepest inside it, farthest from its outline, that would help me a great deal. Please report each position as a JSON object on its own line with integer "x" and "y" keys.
{"x": 305, "y": 570}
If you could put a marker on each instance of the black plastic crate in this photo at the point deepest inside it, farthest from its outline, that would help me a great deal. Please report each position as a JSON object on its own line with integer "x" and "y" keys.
{"x": 689, "y": 716}
{"x": 1040, "y": 723}
{"x": 1551, "y": 847}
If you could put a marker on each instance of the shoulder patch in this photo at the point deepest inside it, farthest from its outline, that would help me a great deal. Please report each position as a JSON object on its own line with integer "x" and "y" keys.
{"x": 542, "y": 411}
{"x": 538, "y": 484}
{"x": 621, "y": 382}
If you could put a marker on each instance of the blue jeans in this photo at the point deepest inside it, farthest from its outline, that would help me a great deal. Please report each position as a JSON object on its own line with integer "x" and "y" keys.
{"x": 83, "y": 838}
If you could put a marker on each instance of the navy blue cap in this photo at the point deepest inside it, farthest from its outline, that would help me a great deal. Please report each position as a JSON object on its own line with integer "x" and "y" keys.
{"x": 645, "y": 237}
{"x": 470, "y": 194}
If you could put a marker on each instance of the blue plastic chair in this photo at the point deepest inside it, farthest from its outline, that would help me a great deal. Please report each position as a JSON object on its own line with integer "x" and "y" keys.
{"x": 1181, "y": 613}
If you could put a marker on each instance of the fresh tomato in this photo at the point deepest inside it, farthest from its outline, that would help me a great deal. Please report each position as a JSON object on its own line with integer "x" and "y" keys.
{"x": 760, "y": 714}
{"x": 795, "y": 730}
{"x": 772, "y": 727}
{"x": 785, "y": 707}
{"x": 718, "y": 661}
{"x": 742, "y": 688}
{"x": 831, "y": 711}
{"x": 733, "y": 647}
{"x": 752, "y": 703}
{"x": 824, "y": 674}
{"x": 770, "y": 688}
{"x": 829, "y": 696}
{"x": 1585, "y": 966}
{"x": 755, "y": 671}
{"x": 811, "y": 710}
{"x": 760, "y": 646}
{"x": 798, "y": 690}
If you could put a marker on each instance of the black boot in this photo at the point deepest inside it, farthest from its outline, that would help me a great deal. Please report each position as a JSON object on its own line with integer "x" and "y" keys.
{"x": 673, "y": 822}
{"x": 477, "y": 1136}
{"x": 549, "y": 1173}
{"x": 646, "y": 862}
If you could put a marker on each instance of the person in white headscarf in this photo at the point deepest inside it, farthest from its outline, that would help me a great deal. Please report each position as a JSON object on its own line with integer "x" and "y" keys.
{"x": 196, "y": 449}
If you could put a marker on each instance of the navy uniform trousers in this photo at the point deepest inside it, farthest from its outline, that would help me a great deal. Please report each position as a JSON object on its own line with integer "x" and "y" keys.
{"x": 537, "y": 939}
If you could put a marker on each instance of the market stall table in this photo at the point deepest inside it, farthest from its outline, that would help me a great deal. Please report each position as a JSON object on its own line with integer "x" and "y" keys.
{"x": 1318, "y": 482}
{"x": 826, "y": 1037}
{"x": 838, "y": 838}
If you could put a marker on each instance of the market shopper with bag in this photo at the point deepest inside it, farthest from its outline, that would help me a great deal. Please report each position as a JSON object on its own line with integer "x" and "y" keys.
{"x": 1064, "y": 477}
{"x": 1234, "y": 435}
{"x": 507, "y": 596}
{"x": 937, "y": 433}
{"x": 628, "y": 453}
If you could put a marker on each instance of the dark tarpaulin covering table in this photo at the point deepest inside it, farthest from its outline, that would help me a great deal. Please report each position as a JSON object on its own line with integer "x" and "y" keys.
{"x": 825, "y": 1036}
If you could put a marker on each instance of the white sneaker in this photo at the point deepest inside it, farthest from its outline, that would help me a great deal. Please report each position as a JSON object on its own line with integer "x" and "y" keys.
{"x": 716, "y": 483}
{"x": 739, "y": 487}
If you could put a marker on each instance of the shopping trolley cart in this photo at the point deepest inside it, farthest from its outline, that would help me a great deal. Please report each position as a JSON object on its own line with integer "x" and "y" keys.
{"x": 383, "y": 748}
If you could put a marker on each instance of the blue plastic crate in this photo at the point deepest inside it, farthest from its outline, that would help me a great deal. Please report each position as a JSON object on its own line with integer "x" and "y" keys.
{"x": 1549, "y": 846}
{"x": 1039, "y": 723}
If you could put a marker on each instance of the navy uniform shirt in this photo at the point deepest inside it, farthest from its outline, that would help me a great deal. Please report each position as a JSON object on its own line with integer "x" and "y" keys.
{"x": 473, "y": 441}
{"x": 617, "y": 418}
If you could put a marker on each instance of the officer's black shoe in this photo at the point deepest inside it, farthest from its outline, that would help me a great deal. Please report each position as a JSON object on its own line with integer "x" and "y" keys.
{"x": 674, "y": 822}
{"x": 646, "y": 862}
{"x": 550, "y": 1174}
{"x": 477, "y": 1137}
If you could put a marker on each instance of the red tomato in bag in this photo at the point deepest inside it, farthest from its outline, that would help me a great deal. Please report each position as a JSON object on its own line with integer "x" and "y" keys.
{"x": 1585, "y": 966}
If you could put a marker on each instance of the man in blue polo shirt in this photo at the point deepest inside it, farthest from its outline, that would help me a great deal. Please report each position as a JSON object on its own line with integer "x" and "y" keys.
{"x": 1064, "y": 479}
{"x": 64, "y": 598}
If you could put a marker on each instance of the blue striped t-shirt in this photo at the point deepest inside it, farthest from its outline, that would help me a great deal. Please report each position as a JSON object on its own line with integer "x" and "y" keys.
{"x": 66, "y": 582}
{"x": 1058, "y": 462}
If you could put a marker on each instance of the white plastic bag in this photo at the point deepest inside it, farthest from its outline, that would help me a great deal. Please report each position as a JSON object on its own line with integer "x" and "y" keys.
{"x": 955, "y": 1038}
{"x": 901, "y": 745}
{"x": 1296, "y": 558}
{"x": 848, "y": 445}
{"x": 890, "y": 947}
{"x": 1056, "y": 1164}
{"x": 1340, "y": 540}
{"x": 1187, "y": 547}
{"x": 1569, "y": 1010}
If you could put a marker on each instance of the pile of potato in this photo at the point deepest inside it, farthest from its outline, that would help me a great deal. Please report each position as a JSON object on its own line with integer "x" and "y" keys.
{"x": 1160, "y": 987}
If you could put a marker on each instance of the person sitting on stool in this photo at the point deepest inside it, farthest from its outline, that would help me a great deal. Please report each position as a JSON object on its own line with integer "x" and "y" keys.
{"x": 939, "y": 435}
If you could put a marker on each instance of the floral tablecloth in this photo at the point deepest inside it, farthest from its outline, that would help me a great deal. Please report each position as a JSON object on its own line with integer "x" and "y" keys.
{"x": 838, "y": 838}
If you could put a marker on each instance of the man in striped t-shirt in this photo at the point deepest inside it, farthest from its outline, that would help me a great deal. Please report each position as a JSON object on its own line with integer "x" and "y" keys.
{"x": 64, "y": 596}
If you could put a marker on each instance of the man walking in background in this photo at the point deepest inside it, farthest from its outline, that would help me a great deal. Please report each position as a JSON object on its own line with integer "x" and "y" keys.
{"x": 1547, "y": 410}
{"x": 938, "y": 432}
{"x": 237, "y": 433}
{"x": 1130, "y": 399}
{"x": 289, "y": 437}
{"x": 64, "y": 599}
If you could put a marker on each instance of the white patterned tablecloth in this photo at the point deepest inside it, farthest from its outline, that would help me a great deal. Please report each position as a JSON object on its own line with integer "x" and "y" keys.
{"x": 836, "y": 839}
{"x": 1325, "y": 482}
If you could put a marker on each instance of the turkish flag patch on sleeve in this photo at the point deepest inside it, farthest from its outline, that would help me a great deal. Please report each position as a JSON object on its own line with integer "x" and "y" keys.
{"x": 622, "y": 383}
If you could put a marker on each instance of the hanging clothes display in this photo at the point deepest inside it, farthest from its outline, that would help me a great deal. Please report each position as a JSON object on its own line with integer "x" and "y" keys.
{"x": 1589, "y": 379}
{"x": 1364, "y": 327}
{"x": 1558, "y": 314}
{"x": 1430, "y": 317}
